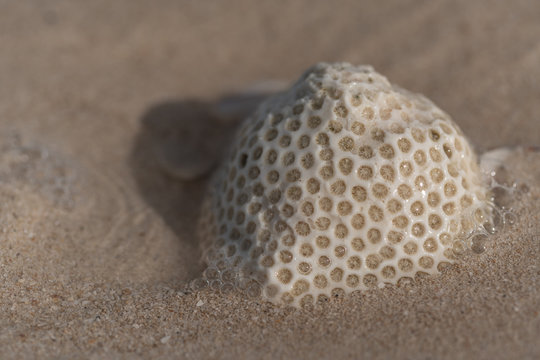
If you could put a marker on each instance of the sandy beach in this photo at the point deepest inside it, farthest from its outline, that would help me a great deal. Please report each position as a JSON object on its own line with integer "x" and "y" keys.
{"x": 101, "y": 102}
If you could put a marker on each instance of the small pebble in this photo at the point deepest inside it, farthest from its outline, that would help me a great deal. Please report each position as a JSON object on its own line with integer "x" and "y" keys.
{"x": 165, "y": 339}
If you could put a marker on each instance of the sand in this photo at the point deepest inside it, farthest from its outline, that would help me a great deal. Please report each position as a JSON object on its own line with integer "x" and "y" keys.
{"x": 97, "y": 240}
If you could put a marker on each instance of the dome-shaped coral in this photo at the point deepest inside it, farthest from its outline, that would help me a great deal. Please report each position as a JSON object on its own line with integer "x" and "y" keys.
{"x": 337, "y": 184}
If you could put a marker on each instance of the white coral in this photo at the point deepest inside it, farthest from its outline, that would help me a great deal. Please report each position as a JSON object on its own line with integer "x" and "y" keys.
{"x": 340, "y": 183}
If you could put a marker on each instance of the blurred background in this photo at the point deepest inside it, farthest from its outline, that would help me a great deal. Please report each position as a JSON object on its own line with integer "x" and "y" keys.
{"x": 478, "y": 60}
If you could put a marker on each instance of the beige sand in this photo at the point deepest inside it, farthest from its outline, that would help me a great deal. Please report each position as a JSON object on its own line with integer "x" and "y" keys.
{"x": 96, "y": 240}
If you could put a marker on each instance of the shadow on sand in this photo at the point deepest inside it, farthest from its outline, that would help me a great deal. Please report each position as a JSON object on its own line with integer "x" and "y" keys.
{"x": 176, "y": 148}
{"x": 178, "y": 145}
